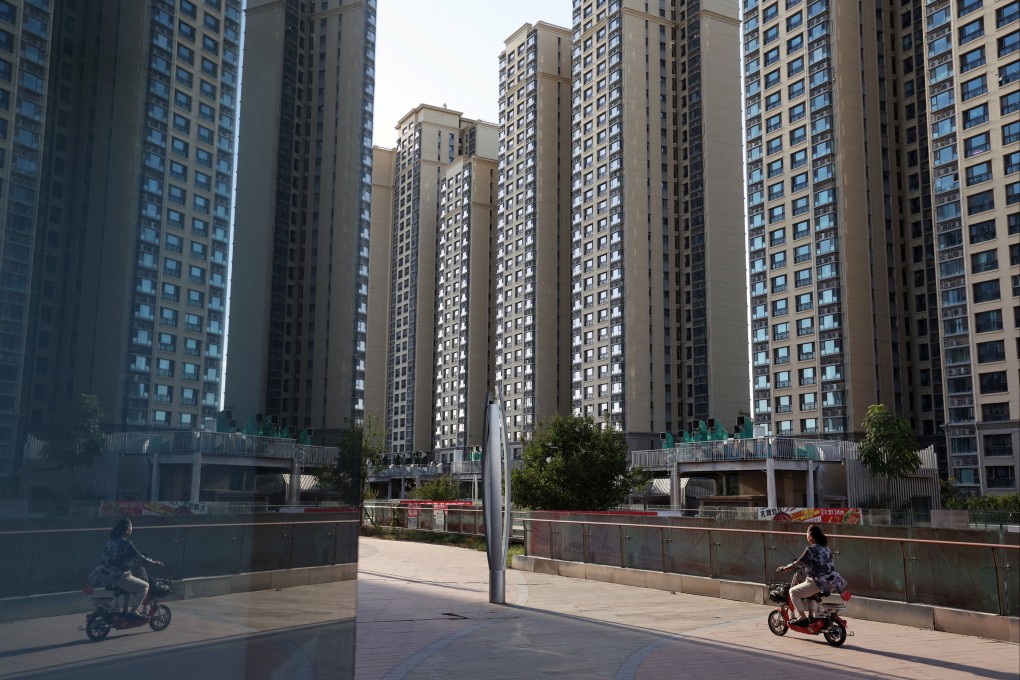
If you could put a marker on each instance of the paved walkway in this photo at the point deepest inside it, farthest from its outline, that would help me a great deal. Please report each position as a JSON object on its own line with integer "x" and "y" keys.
{"x": 423, "y": 612}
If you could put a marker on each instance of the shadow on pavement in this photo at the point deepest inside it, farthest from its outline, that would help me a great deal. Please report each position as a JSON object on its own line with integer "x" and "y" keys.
{"x": 315, "y": 651}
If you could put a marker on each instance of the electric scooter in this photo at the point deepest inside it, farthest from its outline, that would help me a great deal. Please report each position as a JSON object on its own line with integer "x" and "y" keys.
{"x": 829, "y": 624}
{"x": 109, "y": 614}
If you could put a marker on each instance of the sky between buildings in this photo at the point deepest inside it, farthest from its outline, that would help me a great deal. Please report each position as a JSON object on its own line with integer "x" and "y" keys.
{"x": 447, "y": 52}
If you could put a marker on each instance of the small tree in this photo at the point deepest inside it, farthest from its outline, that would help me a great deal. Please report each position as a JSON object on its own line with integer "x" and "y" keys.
{"x": 442, "y": 488}
{"x": 74, "y": 435}
{"x": 573, "y": 464}
{"x": 360, "y": 454}
{"x": 889, "y": 448}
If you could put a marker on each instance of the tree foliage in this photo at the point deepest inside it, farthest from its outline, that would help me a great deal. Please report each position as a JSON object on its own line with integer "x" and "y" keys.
{"x": 360, "y": 454}
{"x": 954, "y": 499}
{"x": 74, "y": 435}
{"x": 442, "y": 488}
{"x": 889, "y": 448}
{"x": 573, "y": 464}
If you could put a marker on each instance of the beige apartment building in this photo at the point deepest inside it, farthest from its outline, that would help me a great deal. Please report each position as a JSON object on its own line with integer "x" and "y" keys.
{"x": 379, "y": 249}
{"x": 532, "y": 269}
{"x": 299, "y": 285}
{"x": 865, "y": 132}
{"x": 430, "y": 139}
{"x": 464, "y": 341}
{"x": 116, "y": 162}
{"x": 658, "y": 298}
{"x": 972, "y": 72}
{"x": 820, "y": 232}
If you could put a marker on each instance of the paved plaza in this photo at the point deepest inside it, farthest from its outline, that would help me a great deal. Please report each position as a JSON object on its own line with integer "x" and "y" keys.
{"x": 423, "y": 612}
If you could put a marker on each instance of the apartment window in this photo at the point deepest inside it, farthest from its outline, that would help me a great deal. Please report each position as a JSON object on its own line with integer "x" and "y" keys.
{"x": 1011, "y": 133}
{"x": 971, "y": 31}
{"x": 1011, "y": 163}
{"x": 968, "y": 6}
{"x": 798, "y": 158}
{"x": 797, "y": 112}
{"x": 806, "y": 351}
{"x": 971, "y": 60}
{"x": 1013, "y": 193}
{"x": 1009, "y": 73}
{"x": 991, "y": 352}
{"x": 805, "y": 302}
{"x": 998, "y": 444}
{"x": 986, "y": 291}
{"x": 805, "y": 326}
{"x": 974, "y": 88}
{"x": 793, "y": 21}
{"x": 982, "y": 231}
{"x": 796, "y": 89}
{"x": 985, "y": 322}
{"x": 1009, "y": 103}
{"x": 1007, "y": 14}
{"x": 774, "y": 146}
{"x": 984, "y": 261}
{"x": 980, "y": 202}
{"x": 795, "y": 43}
{"x": 780, "y": 307}
{"x": 993, "y": 383}
{"x": 1000, "y": 477}
{"x": 975, "y": 116}
{"x": 1008, "y": 44}
{"x": 982, "y": 172}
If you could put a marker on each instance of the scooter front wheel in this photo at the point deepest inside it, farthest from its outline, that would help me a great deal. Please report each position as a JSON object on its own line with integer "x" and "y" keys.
{"x": 776, "y": 623}
{"x": 835, "y": 634}
{"x": 159, "y": 619}
{"x": 97, "y": 629}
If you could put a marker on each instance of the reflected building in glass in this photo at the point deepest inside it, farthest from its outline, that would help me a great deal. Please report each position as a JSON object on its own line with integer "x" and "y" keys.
{"x": 304, "y": 183}
{"x": 117, "y": 160}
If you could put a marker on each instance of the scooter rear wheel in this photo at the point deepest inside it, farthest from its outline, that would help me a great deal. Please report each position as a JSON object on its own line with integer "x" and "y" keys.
{"x": 160, "y": 618}
{"x": 776, "y": 623}
{"x": 97, "y": 629}
{"x": 835, "y": 634}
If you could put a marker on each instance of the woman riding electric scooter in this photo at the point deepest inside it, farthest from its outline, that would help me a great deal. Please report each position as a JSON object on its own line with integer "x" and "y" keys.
{"x": 821, "y": 575}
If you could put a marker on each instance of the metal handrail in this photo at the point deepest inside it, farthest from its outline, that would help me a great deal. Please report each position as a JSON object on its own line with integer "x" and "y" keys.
{"x": 184, "y": 526}
{"x": 783, "y": 533}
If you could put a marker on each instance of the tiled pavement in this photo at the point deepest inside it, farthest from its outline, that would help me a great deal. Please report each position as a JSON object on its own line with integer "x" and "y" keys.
{"x": 423, "y": 612}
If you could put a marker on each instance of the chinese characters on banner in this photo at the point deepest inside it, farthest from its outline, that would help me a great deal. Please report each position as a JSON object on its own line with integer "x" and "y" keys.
{"x": 826, "y": 515}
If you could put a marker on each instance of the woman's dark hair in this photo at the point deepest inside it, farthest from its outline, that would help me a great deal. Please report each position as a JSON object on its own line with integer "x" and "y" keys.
{"x": 816, "y": 533}
{"x": 120, "y": 528}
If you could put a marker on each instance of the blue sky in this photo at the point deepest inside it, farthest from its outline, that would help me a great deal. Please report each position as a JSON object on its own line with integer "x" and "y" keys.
{"x": 447, "y": 52}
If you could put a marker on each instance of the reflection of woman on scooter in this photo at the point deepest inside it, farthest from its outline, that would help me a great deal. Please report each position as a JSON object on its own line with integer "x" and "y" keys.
{"x": 118, "y": 556}
{"x": 817, "y": 560}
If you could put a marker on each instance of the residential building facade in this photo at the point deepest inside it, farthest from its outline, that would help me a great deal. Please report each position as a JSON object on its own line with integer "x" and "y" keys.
{"x": 532, "y": 266}
{"x": 117, "y": 213}
{"x": 972, "y": 71}
{"x": 659, "y": 327}
{"x": 464, "y": 343}
{"x": 300, "y": 269}
{"x": 882, "y": 206}
{"x": 825, "y": 341}
{"x": 430, "y": 138}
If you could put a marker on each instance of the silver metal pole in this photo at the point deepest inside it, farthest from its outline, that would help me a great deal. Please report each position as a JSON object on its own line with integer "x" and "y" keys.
{"x": 492, "y": 501}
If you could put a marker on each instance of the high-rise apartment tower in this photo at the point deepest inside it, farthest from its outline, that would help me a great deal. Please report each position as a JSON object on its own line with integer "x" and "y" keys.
{"x": 300, "y": 271}
{"x": 658, "y": 292}
{"x": 116, "y": 209}
{"x": 532, "y": 267}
